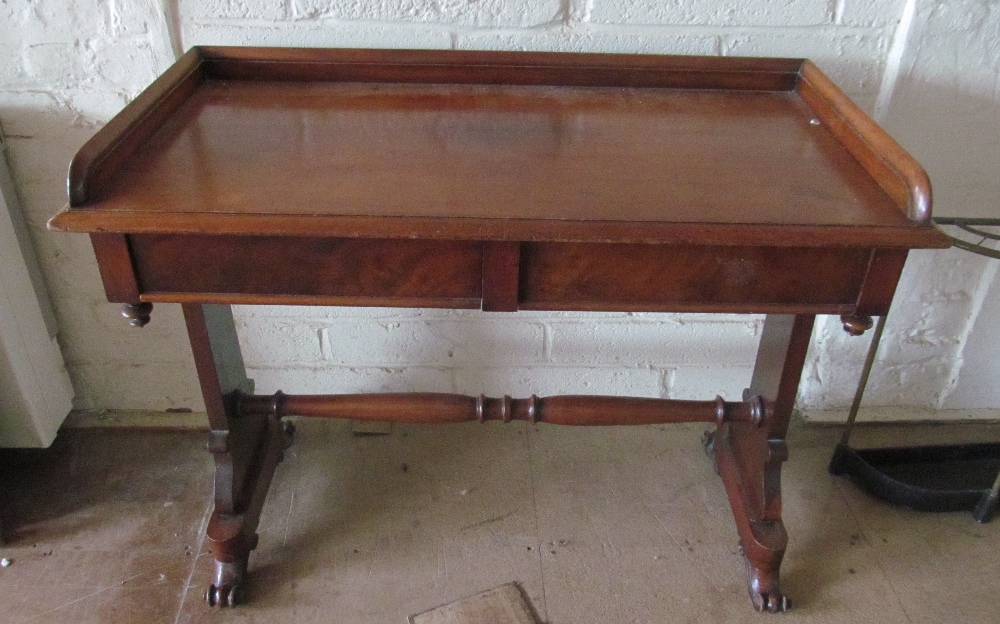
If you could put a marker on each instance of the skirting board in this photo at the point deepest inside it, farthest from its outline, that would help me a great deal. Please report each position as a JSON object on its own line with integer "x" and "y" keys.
{"x": 900, "y": 414}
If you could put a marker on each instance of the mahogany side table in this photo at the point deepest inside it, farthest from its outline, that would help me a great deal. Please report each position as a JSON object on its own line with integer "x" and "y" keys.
{"x": 500, "y": 181}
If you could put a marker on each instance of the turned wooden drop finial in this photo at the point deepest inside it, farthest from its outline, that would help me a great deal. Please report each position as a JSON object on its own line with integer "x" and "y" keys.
{"x": 137, "y": 313}
{"x": 857, "y": 324}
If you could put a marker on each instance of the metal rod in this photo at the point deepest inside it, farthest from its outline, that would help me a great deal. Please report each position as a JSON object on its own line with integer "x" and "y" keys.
{"x": 995, "y": 490}
{"x": 974, "y": 248}
{"x": 863, "y": 383}
{"x": 967, "y": 221}
{"x": 987, "y": 505}
{"x": 978, "y": 232}
{"x": 972, "y": 226}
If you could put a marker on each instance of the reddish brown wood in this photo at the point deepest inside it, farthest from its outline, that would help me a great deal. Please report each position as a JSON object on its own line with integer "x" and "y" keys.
{"x": 221, "y": 373}
{"x": 749, "y": 458}
{"x": 747, "y": 475}
{"x": 784, "y": 342}
{"x": 307, "y": 300}
{"x": 236, "y": 147}
{"x": 664, "y": 277}
{"x": 246, "y": 447}
{"x": 771, "y": 235}
{"x": 501, "y": 266}
{"x": 890, "y": 165}
{"x": 382, "y": 269}
{"x": 558, "y": 410}
{"x": 856, "y": 324}
{"x": 880, "y": 283}
{"x": 114, "y": 260}
{"x": 404, "y": 158}
{"x": 98, "y": 162}
{"x": 503, "y": 68}
{"x": 503, "y": 181}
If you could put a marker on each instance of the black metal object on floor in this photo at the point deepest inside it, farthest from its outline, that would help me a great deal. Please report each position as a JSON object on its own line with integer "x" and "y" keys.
{"x": 927, "y": 478}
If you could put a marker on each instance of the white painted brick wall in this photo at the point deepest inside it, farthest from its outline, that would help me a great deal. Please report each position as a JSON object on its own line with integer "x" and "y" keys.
{"x": 460, "y": 13}
{"x": 261, "y": 10}
{"x": 854, "y": 60}
{"x": 656, "y": 340}
{"x": 66, "y": 67}
{"x": 868, "y": 13}
{"x": 472, "y": 352}
{"x": 781, "y": 13}
{"x": 585, "y": 39}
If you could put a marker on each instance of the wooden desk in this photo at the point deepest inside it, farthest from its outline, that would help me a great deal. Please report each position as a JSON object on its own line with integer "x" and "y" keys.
{"x": 506, "y": 181}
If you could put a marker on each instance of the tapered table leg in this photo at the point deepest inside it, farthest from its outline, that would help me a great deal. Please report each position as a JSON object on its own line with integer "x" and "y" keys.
{"x": 247, "y": 448}
{"x": 749, "y": 457}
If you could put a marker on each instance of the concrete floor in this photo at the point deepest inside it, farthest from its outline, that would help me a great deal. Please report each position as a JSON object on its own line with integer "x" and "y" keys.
{"x": 597, "y": 525}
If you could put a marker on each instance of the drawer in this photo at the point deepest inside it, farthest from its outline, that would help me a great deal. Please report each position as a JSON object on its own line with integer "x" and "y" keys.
{"x": 344, "y": 271}
{"x": 585, "y": 276}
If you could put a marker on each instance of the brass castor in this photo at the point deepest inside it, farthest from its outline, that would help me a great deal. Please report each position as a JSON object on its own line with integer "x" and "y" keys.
{"x": 227, "y": 590}
{"x": 224, "y": 596}
{"x": 763, "y": 589}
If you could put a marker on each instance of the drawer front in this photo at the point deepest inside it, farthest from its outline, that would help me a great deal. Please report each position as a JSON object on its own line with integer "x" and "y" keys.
{"x": 348, "y": 271}
{"x": 721, "y": 278}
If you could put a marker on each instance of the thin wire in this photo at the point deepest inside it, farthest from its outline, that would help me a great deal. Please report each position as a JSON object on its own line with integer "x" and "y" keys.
{"x": 967, "y": 225}
{"x": 978, "y": 232}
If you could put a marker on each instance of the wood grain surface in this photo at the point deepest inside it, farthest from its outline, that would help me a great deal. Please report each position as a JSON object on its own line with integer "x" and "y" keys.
{"x": 499, "y": 146}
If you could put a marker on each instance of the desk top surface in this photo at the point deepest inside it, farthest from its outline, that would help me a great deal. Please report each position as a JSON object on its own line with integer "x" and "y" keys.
{"x": 222, "y": 148}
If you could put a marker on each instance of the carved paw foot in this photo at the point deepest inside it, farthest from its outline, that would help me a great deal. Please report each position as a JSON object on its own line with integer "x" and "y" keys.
{"x": 763, "y": 588}
{"x": 227, "y": 590}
